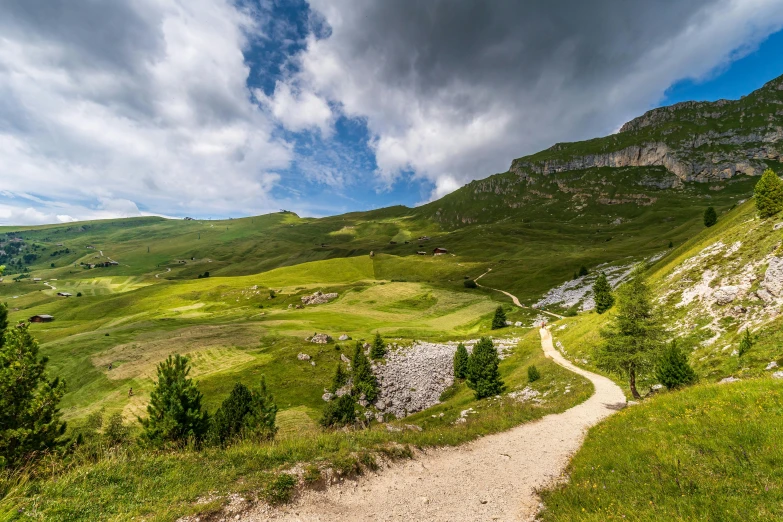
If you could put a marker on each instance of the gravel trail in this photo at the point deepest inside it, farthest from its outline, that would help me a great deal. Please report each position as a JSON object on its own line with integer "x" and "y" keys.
{"x": 492, "y": 478}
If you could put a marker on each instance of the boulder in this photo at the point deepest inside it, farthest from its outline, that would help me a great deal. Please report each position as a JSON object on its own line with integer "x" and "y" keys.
{"x": 328, "y": 396}
{"x": 303, "y": 357}
{"x": 318, "y": 298}
{"x": 773, "y": 279}
{"x": 728, "y": 380}
{"x": 344, "y": 359}
{"x": 772, "y": 365}
{"x": 344, "y": 337}
{"x": 518, "y": 323}
{"x": 725, "y": 294}
{"x": 320, "y": 338}
{"x": 777, "y": 375}
{"x": 509, "y": 323}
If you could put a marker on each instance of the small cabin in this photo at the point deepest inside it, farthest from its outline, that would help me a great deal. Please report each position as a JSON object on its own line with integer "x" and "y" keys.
{"x": 439, "y": 251}
{"x": 41, "y": 318}
{"x": 36, "y": 280}
{"x": 64, "y": 294}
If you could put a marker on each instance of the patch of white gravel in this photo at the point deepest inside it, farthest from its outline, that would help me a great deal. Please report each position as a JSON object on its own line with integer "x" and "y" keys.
{"x": 493, "y": 478}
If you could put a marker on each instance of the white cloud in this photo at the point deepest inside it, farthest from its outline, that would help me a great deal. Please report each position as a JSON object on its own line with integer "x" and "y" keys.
{"x": 298, "y": 110}
{"x": 453, "y": 91}
{"x": 154, "y": 109}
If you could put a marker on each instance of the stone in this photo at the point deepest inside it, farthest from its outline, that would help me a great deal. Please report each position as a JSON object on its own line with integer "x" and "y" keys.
{"x": 303, "y": 357}
{"x": 380, "y": 404}
{"x": 777, "y": 375}
{"x": 772, "y": 365}
{"x": 344, "y": 337}
{"x": 728, "y": 380}
{"x": 318, "y": 298}
{"x": 773, "y": 279}
{"x": 778, "y": 226}
{"x": 379, "y": 417}
{"x": 312, "y": 363}
{"x": 320, "y": 338}
{"x": 518, "y": 323}
{"x": 725, "y": 294}
{"x": 344, "y": 359}
{"x": 328, "y": 396}
{"x": 509, "y": 323}
{"x": 413, "y": 427}
{"x": 363, "y": 403}
{"x": 391, "y": 428}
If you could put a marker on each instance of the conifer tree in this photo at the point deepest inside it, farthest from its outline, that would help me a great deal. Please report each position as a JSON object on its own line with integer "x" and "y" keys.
{"x": 632, "y": 340}
{"x": 532, "y": 373}
{"x": 499, "y": 321}
{"x": 29, "y": 401}
{"x": 673, "y": 370}
{"x": 710, "y": 217}
{"x": 339, "y": 412}
{"x": 483, "y": 375}
{"x": 769, "y": 194}
{"x": 244, "y": 412}
{"x": 460, "y": 362}
{"x": 174, "y": 411}
{"x": 746, "y": 343}
{"x": 378, "y": 350}
{"x": 602, "y": 294}
{"x": 583, "y": 271}
{"x": 340, "y": 378}
{"x": 364, "y": 381}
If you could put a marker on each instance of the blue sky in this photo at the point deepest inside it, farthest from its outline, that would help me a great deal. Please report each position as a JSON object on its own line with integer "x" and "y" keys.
{"x": 217, "y": 108}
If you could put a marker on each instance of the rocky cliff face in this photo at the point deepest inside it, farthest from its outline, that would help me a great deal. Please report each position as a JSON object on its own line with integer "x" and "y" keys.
{"x": 696, "y": 141}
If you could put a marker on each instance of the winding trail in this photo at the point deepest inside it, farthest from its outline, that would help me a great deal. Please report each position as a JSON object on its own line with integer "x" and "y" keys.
{"x": 514, "y": 298}
{"x": 492, "y": 478}
{"x": 157, "y": 276}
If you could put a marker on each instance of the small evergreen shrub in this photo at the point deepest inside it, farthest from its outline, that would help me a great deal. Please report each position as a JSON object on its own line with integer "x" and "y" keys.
{"x": 483, "y": 375}
{"x": 340, "y": 378}
{"x": 378, "y": 350}
{"x": 470, "y": 283}
{"x": 746, "y": 343}
{"x": 460, "y": 362}
{"x": 116, "y": 432}
{"x": 583, "y": 271}
{"x": 673, "y": 370}
{"x": 364, "y": 381}
{"x": 244, "y": 413}
{"x": 174, "y": 412}
{"x": 339, "y": 412}
{"x": 768, "y": 194}
{"x": 499, "y": 320}
{"x": 710, "y": 217}
{"x": 602, "y": 293}
{"x": 532, "y": 373}
{"x": 78, "y": 294}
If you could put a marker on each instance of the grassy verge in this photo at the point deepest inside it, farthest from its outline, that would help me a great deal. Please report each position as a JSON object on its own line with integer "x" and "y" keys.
{"x": 707, "y": 453}
{"x": 130, "y": 482}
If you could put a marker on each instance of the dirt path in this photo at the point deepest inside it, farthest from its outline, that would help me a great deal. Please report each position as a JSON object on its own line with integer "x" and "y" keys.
{"x": 157, "y": 276}
{"x": 514, "y": 298}
{"x": 493, "y": 478}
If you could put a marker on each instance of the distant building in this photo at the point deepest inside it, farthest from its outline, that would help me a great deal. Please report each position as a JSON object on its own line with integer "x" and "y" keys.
{"x": 422, "y": 253}
{"x": 41, "y": 318}
{"x": 439, "y": 251}
{"x": 36, "y": 279}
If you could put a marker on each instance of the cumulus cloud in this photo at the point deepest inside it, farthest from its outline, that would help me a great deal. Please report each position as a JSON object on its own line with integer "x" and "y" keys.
{"x": 120, "y": 103}
{"x": 453, "y": 90}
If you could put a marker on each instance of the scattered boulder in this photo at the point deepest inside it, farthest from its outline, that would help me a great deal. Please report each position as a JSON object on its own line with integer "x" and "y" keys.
{"x": 299, "y": 307}
{"x": 778, "y": 226}
{"x": 773, "y": 279}
{"x": 320, "y": 338}
{"x": 772, "y": 365}
{"x": 728, "y": 380}
{"x": 509, "y": 323}
{"x": 318, "y": 298}
{"x": 725, "y": 294}
{"x": 345, "y": 359}
{"x": 303, "y": 357}
{"x": 413, "y": 427}
{"x": 344, "y": 337}
{"x": 312, "y": 363}
{"x": 328, "y": 396}
{"x": 518, "y": 323}
{"x": 777, "y": 375}
{"x": 391, "y": 428}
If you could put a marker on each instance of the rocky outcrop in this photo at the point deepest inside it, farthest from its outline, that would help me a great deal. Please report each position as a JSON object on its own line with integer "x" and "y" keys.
{"x": 318, "y": 298}
{"x": 319, "y": 338}
{"x": 773, "y": 279}
{"x": 412, "y": 379}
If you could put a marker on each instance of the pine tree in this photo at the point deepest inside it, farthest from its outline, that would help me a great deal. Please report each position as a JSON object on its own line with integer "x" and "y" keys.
{"x": 632, "y": 340}
{"x": 673, "y": 370}
{"x": 339, "y": 380}
{"x": 364, "y": 381}
{"x": 339, "y": 412}
{"x": 602, "y": 294}
{"x": 746, "y": 343}
{"x": 483, "y": 375}
{"x": 532, "y": 373}
{"x": 583, "y": 271}
{"x": 378, "y": 350}
{"x": 499, "y": 321}
{"x": 710, "y": 217}
{"x": 244, "y": 412}
{"x": 175, "y": 413}
{"x": 460, "y": 362}
{"x": 769, "y": 194}
{"x": 29, "y": 412}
